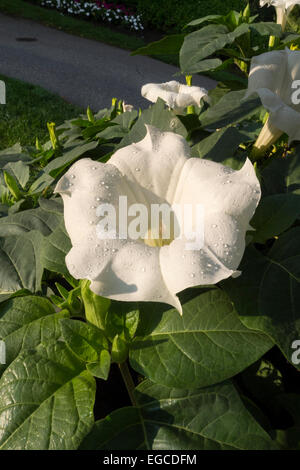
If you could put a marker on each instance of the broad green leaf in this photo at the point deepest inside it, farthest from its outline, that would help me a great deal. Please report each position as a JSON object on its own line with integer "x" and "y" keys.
{"x": 122, "y": 319}
{"x": 124, "y": 122}
{"x": 19, "y": 170}
{"x": 43, "y": 219}
{"x": 26, "y": 322}
{"x": 230, "y": 109}
{"x": 56, "y": 166}
{"x": 20, "y": 262}
{"x": 205, "y": 42}
{"x": 210, "y": 18}
{"x": 46, "y": 400}
{"x": 55, "y": 248}
{"x": 282, "y": 175}
{"x": 204, "y": 346}
{"x": 85, "y": 340}
{"x": 101, "y": 368}
{"x": 267, "y": 29}
{"x": 157, "y": 116}
{"x": 211, "y": 418}
{"x": 267, "y": 294}
{"x": 274, "y": 215}
{"x": 221, "y": 146}
{"x": 169, "y": 45}
{"x": 13, "y": 154}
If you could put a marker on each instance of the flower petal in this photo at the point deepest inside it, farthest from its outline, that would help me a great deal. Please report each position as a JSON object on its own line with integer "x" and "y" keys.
{"x": 155, "y": 162}
{"x": 134, "y": 274}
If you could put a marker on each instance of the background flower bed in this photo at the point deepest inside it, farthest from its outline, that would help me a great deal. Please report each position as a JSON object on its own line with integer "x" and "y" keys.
{"x": 163, "y": 15}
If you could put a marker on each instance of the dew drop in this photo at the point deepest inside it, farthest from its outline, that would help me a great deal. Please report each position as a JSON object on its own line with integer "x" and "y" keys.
{"x": 137, "y": 169}
{"x": 192, "y": 275}
{"x": 72, "y": 176}
{"x": 214, "y": 225}
{"x": 94, "y": 168}
{"x": 208, "y": 265}
{"x": 143, "y": 270}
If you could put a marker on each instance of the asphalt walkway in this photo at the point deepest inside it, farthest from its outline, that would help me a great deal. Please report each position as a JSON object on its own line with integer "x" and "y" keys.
{"x": 82, "y": 71}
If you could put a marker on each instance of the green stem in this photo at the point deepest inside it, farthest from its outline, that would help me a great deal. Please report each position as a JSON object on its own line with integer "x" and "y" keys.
{"x": 128, "y": 381}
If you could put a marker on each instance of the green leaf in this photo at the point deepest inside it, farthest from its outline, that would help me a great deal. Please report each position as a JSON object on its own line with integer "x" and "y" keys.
{"x": 59, "y": 164}
{"x": 274, "y": 215}
{"x": 266, "y": 295}
{"x": 85, "y": 340}
{"x": 267, "y": 29}
{"x": 43, "y": 219}
{"x": 26, "y": 322}
{"x": 20, "y": 262}
{"x": 119, "y": 350}
{"x": 13, "y": 154}
{"x": 210, "y": 18}
{"x": 230, "y": 109}
{"x": 46, "y": 400}
{"x": 204, "y": 346}
{"x": 169, "y": 45}
{"x": 282, "y": 175}
{"x": 157, "y": 116}
{"x": 95, "y": 306}
{"x": 122, "y": 319}
{"x": 101, "y": 368}
{"x": 221, "y": 146}
{"x": 212, "y": 418}
{"x": 55, "y": 248}
{"x": 19, "y": 170}
{"x": 204, "y": 43}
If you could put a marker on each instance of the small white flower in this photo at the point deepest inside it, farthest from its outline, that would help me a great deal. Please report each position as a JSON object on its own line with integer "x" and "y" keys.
{"x": 272, "y": 75}
{"x": 176, "y": 95}
{"x": 127, "y": 107}
{"x": 157, "y": 169}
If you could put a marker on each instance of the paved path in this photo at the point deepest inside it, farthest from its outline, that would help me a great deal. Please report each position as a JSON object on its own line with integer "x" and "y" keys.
{"x": 82, "y": 71}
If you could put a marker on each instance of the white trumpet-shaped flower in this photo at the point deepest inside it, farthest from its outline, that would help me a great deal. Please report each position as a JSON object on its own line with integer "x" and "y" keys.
{"x": 275, "y": 76}
{"x": 156, "y": 170}
{"x": 283, "y": 8}
{"x": 176, "y": 95}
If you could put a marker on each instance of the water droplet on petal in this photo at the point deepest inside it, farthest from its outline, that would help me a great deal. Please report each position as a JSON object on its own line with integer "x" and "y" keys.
{"x": 137, "y": 169}
{"x": 192, "y": 275}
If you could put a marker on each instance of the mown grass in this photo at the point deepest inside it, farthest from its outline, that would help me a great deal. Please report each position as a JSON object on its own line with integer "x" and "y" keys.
{"x": 79, "y": 27}
{"x": 27, "y": 112}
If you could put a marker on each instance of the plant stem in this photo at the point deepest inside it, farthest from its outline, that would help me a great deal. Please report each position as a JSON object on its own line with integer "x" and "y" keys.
{"x": 128, "y": 381}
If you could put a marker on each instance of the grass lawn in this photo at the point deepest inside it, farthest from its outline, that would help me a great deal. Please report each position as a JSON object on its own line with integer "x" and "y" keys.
{"x": 71, "y": 25}
{"x": 27, "y": 112}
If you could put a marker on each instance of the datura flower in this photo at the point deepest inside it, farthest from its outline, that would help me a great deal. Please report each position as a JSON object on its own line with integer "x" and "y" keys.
{"x": 275, "y": 77}
{"x": 158, "y": 170}
{"x": 283, "y": 9}
{"x": 176, "y": 95}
